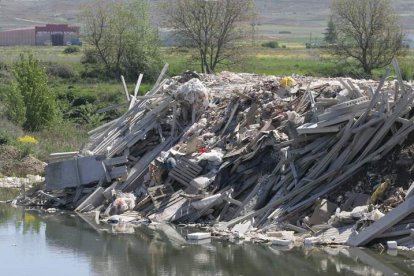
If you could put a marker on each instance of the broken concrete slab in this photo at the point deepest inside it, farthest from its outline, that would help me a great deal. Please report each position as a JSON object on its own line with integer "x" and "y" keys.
{"x": 79, "y": 171}
{"x": 323, "y": 212}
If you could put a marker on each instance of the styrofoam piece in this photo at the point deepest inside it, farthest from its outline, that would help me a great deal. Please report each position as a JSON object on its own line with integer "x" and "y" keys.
{"x": 392, "y": 245}
{"x": 199, "y": 236}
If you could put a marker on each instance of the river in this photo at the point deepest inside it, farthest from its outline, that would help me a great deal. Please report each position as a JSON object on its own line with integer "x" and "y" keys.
{"x": 38, "y": 243}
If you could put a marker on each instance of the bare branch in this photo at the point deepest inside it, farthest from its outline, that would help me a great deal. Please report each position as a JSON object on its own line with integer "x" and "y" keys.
{"x": 368, "y": 31}
{"x": 210, "y": 26}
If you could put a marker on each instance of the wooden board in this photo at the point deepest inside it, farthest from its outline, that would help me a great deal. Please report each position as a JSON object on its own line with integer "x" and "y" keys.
{"x": 386, "y": 222}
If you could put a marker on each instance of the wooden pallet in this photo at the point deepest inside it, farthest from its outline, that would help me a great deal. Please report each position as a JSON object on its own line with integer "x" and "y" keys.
{"x": 159, "y": 192}
{"x": 185, "y": 171}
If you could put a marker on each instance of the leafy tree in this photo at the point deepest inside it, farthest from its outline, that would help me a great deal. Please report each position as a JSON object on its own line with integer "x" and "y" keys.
{"x": 30, "y": 102}
{"x": 368, "y": 31}
{"x": 212, "y": 27}
{"x": 122, "y": 39}
{"x": 15, "y": 105}
{"x": 330, "y": 34}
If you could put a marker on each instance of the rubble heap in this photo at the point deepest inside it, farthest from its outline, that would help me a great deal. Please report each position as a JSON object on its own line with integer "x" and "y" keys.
{"x": 241, "y": 152}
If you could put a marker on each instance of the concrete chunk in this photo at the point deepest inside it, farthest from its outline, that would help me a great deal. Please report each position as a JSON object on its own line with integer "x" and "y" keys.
{"x": 72, "y": 173}
{"x": 323, "y": 212}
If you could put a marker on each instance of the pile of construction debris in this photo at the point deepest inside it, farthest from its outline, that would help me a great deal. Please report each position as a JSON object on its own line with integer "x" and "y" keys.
{"x": 245, "y": 154}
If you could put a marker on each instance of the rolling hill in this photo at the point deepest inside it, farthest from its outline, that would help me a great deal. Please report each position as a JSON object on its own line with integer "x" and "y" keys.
{"x": 278, "y": 19}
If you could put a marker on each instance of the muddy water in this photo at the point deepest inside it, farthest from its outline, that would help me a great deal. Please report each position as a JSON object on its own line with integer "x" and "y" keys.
{"x": 33, "y": 243}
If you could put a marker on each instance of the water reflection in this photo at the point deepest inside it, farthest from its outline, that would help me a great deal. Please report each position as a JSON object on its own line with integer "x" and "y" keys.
{"x": 162, "y": 250}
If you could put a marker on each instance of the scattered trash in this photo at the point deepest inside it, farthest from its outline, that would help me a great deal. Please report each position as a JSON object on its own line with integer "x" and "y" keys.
{"x": 236, "y": 153}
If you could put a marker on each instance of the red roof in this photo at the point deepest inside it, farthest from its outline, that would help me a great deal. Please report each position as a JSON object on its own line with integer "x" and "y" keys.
{"x": 57, "y": 28}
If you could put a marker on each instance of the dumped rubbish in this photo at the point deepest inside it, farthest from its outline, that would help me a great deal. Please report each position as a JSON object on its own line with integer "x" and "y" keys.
{"x": 248, "y": 155}
{"x": 392, "y": 245}
{"x": 19, "y": 182}
{"x": 198, "y": 236}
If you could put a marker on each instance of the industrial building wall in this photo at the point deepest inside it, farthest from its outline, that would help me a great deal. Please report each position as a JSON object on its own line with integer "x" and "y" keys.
{"x": 45, "y": 38}
{"x": 70, "y": 36}
{"x": 18, "y": 37}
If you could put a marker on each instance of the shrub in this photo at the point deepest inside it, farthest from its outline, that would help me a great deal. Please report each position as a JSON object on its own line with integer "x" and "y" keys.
{"x": 271, "y": 44}
{"x": 5, "y": 137}
{"x": 407, "y": 71}
{"x": 71, "y": 50}
{"x": 26, "y": 144}
{"x": 27, "y": 139}
{"x": 93, "y": 71}
{"x": 15, "y": 105}
{"x": 89, "y": 57}
{"x": 60, "y": 70}
{"x": 30, "y": 102}
{"x": 5, "y": 71}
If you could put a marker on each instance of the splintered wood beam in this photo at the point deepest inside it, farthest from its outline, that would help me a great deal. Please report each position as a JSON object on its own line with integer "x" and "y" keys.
{"x": 125, "y": 88}
{"x": 138, "y": 85}
{"x": 163, "y": 71}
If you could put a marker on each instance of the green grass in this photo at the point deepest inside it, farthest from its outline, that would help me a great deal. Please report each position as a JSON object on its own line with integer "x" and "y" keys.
{"x": 43, "y": 53}
{"x": 62, "y": 137}
{"x": 281, "y": 62}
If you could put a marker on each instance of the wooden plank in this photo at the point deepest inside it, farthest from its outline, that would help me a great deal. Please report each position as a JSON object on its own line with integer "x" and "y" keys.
{"x": 233, "y": 201}
{"x": 143, "y": 163}
{"x": 184, "y": 172}
{"x": 233, "y": 112}
{"x": 116, "y": 161}
{"x": 64, "y": 154}
{"x": 163, "y": 71}
{"x": 106, "y": 173}
{"x": 311, "y": 128}
{"x": 179, "y": 178}
{"x": 138, "y": 85}
{"x": 125, "y": 88}
{"x": 386, "y": 222}
{"x": 117, "y": 172}
{"x": 94, "y": 199}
